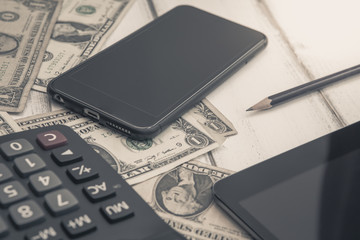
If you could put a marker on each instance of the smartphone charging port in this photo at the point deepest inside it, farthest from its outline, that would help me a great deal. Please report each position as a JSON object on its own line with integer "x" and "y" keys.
{"x": 91, "y": 113}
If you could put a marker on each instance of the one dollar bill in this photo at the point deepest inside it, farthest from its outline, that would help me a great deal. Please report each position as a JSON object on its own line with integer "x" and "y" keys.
{"x": 137, "y": 161}
{"x": 81, "y": 30}
{"x": 7, "y": 124}
{"x": 212, "y": 119}
{"x": 183, "y": 198}
{"x": 25, "y": 28}
{"x": 199, "y": 131}
{"x": 204, "y": 113}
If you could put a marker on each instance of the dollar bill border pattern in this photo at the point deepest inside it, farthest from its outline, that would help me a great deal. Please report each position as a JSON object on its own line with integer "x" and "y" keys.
{"x": 21, "y": 92}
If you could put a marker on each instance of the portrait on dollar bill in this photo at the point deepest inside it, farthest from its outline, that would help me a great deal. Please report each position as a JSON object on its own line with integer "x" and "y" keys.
{"x": 182, "y": 198}
{"x": 72, "y": 32}
{"x": 183, "y": 192}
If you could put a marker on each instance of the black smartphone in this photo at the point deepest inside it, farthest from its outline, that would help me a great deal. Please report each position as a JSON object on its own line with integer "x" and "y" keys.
{"x": 310, "y": 192}
{"x": 142, "y": 83}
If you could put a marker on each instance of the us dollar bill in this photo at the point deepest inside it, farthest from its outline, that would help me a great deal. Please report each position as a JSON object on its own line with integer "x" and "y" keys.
{"x": 183, "y": 198}
{"x": 60, "y": 117}
{"x": 137, "y": 161}
{"x": 25, "y": 28}
{"x": 80, "y": 31}
{"x": 7, "y": 124}
{"x": 204, "y": 113}
{"x": 212, "y": 119}
{"x": 194, "y": 128}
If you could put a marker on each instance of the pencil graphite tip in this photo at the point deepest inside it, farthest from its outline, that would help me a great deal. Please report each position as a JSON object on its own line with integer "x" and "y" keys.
{"x": 262, "y": 105}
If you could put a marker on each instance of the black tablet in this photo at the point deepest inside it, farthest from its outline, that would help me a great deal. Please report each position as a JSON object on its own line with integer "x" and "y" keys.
{"x": 311, "y": 192}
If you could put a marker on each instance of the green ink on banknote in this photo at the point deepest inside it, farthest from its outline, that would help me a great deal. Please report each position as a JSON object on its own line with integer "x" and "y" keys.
{"x": 86, "y": 9}
{"x": 139, "y": 145}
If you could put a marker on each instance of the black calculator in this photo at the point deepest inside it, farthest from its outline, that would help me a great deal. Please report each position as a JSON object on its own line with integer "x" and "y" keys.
{"x": 54, "y": 186}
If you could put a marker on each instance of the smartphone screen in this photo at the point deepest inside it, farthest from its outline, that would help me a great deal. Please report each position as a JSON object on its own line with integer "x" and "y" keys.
{"x": 146, "y": 76}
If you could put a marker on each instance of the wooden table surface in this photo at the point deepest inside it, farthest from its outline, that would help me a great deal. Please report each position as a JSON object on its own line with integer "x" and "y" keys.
{"x": 307, "y": 40}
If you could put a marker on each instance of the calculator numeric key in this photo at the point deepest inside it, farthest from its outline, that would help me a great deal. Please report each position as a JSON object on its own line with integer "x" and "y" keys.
{"x": 61, "y": 202}
{"x": 14, "y": 148}
{"x": 12, "y": 192}
{"x": 78, "y": 225}
{"x": 26, "y": 214}
{"x": 28, "y": 164}
{"x": 44, "y": 182}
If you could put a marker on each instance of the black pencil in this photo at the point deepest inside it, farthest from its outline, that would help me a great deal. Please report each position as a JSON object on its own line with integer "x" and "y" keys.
{"x": 284, "y": 96}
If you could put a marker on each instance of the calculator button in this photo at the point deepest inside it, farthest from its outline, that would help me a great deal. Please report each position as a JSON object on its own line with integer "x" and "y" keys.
{"x": 12, "y": 192}
{"x": 14, "y": 148}
{"x": 51, "y": 139}
{"x": 79, "y": 225}
{"x": 61, "y": 202}
{"x": 98, "y": 191}
{"x": 26, "y": 214}
{"x": 81, "y": 173}
{"x": 5, "y": 173}
{"x": 28, "y": 164}
{"x": 44, "y": 233}
{"x": 44, "y": 182}
{"x": 64, "y": 156}
{"x": 4, "y": 229}
{"x": 116, "y": 211}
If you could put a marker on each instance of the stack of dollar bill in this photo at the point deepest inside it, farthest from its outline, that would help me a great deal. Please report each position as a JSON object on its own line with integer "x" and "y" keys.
{"x": 40, "y": 39}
